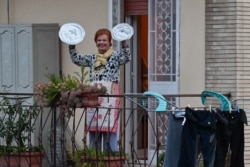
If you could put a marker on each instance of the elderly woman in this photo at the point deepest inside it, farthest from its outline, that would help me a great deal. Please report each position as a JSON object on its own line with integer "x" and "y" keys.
{"x": 104, "y": 67}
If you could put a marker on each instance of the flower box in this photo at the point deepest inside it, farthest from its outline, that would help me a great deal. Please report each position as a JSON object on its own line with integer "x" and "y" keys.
{"x": 23, "y": 159}
{"x": 69, "y": 91}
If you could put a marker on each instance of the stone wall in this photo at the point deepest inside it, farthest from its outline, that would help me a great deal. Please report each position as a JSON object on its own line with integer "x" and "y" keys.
{"x": 228, "y": 53}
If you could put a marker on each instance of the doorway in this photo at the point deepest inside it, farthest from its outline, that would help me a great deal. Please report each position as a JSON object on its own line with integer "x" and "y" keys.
{"x": 136, "y": 14}
{"x": 137, "y": 76}
{"x": 142, "y": 35}
{"x": 161, "y": 70}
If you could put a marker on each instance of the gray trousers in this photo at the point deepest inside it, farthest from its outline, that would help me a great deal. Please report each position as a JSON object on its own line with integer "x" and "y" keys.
{"x": 173, "y": 145}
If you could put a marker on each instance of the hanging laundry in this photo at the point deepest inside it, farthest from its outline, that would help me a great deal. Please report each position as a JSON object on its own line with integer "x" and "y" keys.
{"x": 199, "y": 128}
{"x": 230, "y": 135}
{"x": 173, "y": 145}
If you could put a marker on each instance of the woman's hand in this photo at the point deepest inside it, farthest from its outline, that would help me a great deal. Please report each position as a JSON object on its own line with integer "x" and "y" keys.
{"x": 124, "y": 44}
{"x": 72, "y": 46}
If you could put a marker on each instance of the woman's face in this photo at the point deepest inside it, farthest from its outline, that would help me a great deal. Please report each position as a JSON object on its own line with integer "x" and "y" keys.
{"x": 102, "y": 43}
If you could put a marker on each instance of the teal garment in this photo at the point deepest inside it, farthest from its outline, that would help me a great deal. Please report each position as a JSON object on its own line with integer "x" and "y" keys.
{"x": 162, "y": 103}
{"x": 225, "y": 103}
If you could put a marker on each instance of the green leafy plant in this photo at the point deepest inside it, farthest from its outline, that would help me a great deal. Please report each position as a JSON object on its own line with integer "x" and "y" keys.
{"x": 92, "y": 157}
{"x": 160, "y": 160}
{"x": 66, "y": 90}
{"x": 16, "y": 124}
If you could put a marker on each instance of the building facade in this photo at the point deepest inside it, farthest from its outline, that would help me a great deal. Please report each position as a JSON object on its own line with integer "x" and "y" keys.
{"x": 179, "y": 46}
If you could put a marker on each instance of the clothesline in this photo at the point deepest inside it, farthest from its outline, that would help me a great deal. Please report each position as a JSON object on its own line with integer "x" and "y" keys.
{"x": 228, "y": 95}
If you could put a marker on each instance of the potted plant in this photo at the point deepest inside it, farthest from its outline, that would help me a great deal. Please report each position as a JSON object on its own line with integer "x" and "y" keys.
{"x": 16, "y": 128}
{"x": 96, "y": 158}
{"x": 69, "y": 91}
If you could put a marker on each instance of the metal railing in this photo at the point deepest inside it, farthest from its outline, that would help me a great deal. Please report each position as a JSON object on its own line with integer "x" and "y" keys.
{"x": 61, "y": 134}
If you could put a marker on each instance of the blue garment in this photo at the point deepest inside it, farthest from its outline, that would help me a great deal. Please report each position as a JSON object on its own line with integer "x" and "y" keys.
{"x": 109, "y": 140}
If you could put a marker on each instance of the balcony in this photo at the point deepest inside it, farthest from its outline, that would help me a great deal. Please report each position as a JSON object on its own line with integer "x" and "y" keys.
{"x": 61, "y": 134}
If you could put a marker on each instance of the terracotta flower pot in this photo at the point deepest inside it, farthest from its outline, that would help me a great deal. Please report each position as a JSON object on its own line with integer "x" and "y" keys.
{"x": 90, "y": 99}
{"x": 23, "y": 159}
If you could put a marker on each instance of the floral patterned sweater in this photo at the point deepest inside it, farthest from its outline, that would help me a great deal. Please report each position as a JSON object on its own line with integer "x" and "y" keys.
{"x": 110, "y": 72}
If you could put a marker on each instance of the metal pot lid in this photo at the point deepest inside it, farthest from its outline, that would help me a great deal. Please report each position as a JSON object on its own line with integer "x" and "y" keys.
{"x": 122, "y": 32}
{"x": 71, "y": 33}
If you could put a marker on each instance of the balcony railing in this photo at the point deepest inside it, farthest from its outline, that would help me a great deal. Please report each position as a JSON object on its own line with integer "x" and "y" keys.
{"x": 61, "y": 134}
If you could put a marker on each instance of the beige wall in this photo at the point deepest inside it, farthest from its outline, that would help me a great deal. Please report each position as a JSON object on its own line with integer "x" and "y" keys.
{"x": 91, "y": 14}
{"x": 192, "y": 50}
